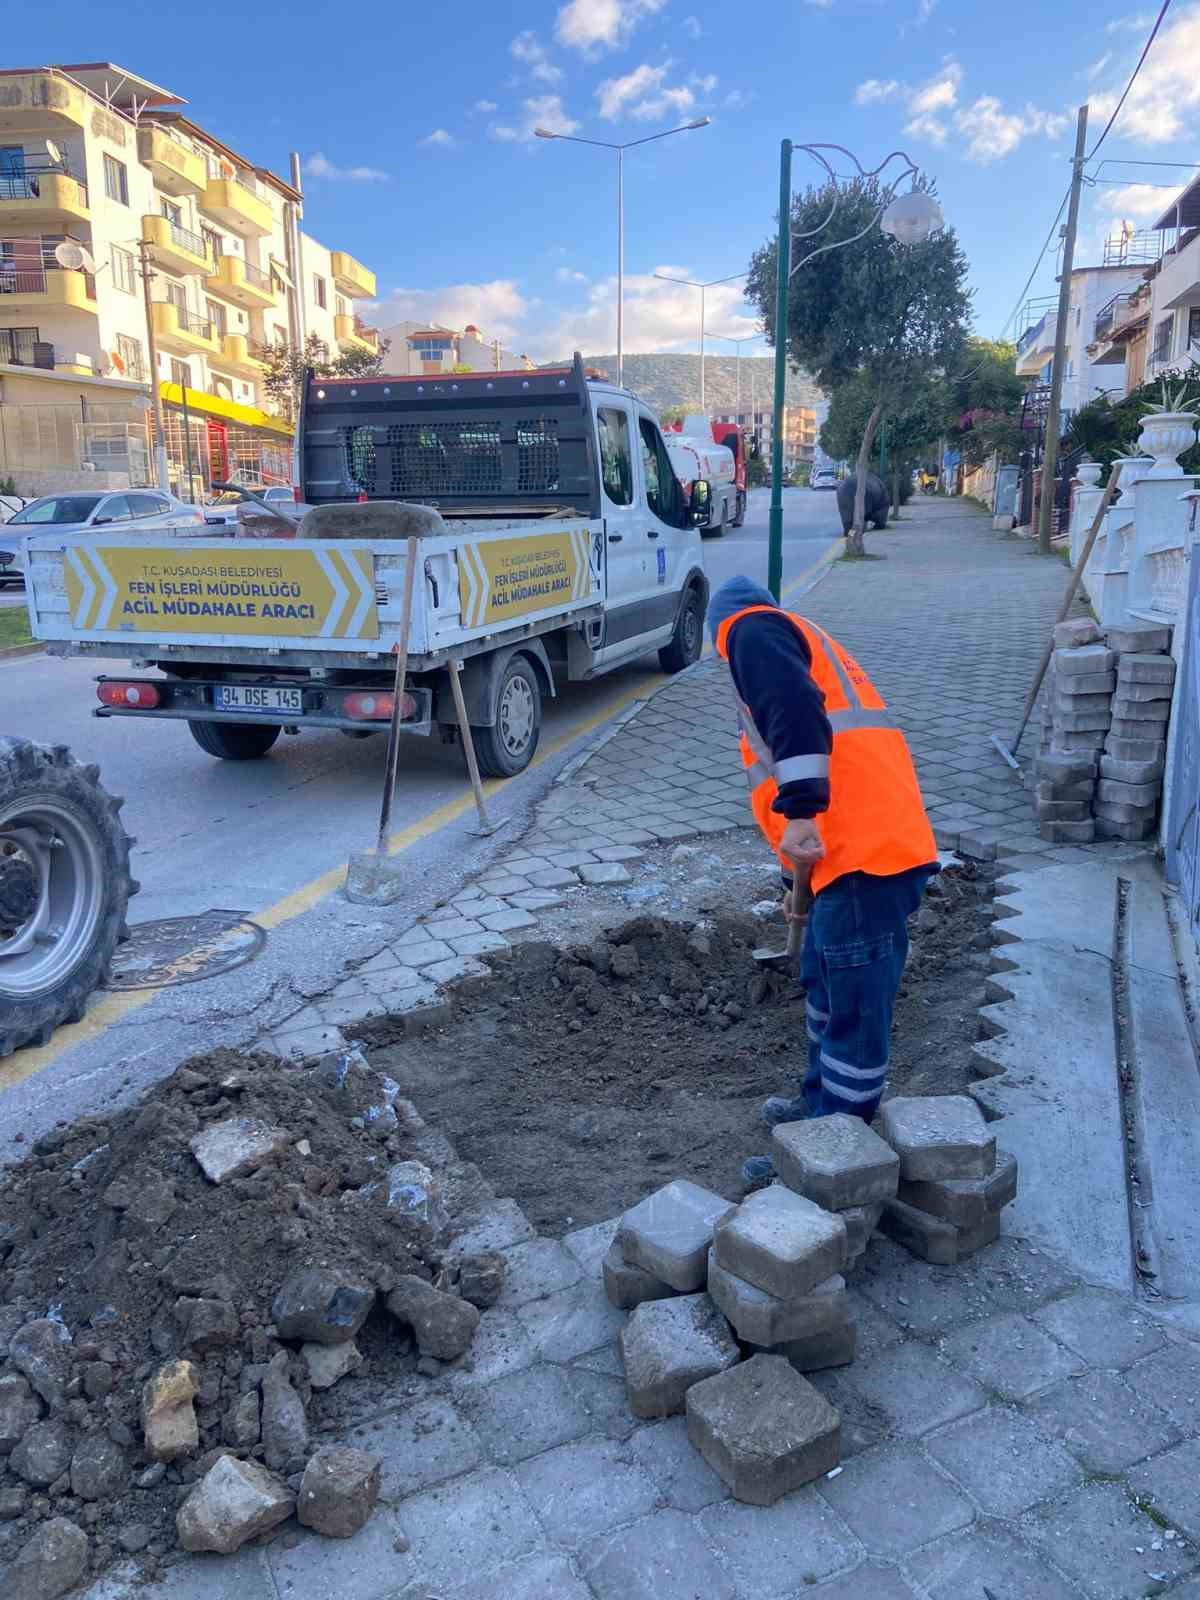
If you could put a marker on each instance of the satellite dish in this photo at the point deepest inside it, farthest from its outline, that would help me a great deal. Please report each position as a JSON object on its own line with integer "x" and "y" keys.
{"x": 104, "y": 363}
{"x": 74, "y": 257}
{"x": 54, "y": 153}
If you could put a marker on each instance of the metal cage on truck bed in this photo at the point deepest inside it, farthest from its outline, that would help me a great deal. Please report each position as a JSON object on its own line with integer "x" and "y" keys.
{"x": 491, "y": 443}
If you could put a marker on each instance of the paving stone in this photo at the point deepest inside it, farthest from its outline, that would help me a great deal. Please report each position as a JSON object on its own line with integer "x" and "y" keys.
{"x": 1131, "y": 772}
{"x": 1129, "y": 704}
{"x": 669, "y": 1345}
{"x": 1107, "y": 1330}
{"x": 876, "y": 1330}
{"x": 938, "y": 1136}
{"x": 552, "y": 878}
{"x": 584, "y": 1489}
{"x": 369, "y": 1566}
{"x": 1170, "y": 1486}
{"x": 1104, "y": 1542}
{"x": 456, "y": 968}
{"x": 619, "y": 852}
{"x": 1102, "y": 1422}
{"x": 519, "y": 866}
{"x": 570, "y": 858}
{"x": 502, "y": 1225}
{"x": 504, "y": 884}
{"x": 604, "y": 1397}
{"x": 780, "y": 1242}
{"x": 780, "y": 1549}
{"x": 590, "y": 1245}
{"x": 868, "y": 1582}
{"x": 538, "y": 900}
{"x": 509, "y": 921}
{"x": 571, "y": 1322}
{"x": 1114, "y": 791}
{"x": 481, "y": 944}
{"x": 662, "y": 1557}
{"x": 1138, "y": 638}
{"x": 965, "y": 1201}
{"x": 683, "y": 1478}
{"x": 423, "y": 1445}
{"x": 835, "y": 1161}
{"x": 628, "y": 1286}
{"x": 763, "y": 1428}
{"x": 525, "y": 1413}
{"x": 860, "y": 1223}
{"x": 421, "y": 952}
{"x": 762, "y": 1319}
{"x": 500, "y": 1346}
{"x": 1140, "y": 667}
{"x": 988, "y": 1556}
{"x": 1084, "y": 658}
{"x": 668, "y": 1234}
{"x": 1075, "y": 632}
{"x": 244, "y": 1576}
{"x": 914, "y": 1389}
{"x": 1003, "y": 1462}
{"x": 1138, "y": 728}
{"x": 1010, "y": 1355}
{"x": 538, "y": 1577}
{"x": 1151, "y": 750}
{"x": 604, "y": 872}
{"x": 894, "y": 1501}
{"x": 483, "y": 1519}
{"x": 535, "y": 1269}
{"x": 1170, "y": 1381}
{"x": 926, "y": 1236}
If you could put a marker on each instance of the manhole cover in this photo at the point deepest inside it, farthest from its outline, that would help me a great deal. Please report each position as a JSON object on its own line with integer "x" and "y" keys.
{"x": 174, "y": 950}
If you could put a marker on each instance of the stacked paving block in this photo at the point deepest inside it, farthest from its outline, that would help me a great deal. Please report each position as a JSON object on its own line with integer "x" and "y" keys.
{"x": 839, "y": 1163}
{"x": 953, "y": 1184}
{"x": 1079, "y": 701}
{"x": 1129, "y": 788}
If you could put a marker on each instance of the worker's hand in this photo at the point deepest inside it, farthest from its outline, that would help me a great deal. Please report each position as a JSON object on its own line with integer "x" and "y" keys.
{"x": 801, "y": 845}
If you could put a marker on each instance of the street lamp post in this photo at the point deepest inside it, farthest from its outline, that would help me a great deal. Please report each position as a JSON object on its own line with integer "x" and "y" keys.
{"x": 909, "y": 218}
{"x": 604, "y": 144}
{"x": 751, "y": 338}
{"x": 691, "y": 283}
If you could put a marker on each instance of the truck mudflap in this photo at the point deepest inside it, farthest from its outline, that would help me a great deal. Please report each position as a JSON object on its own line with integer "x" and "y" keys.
{"x": 357, "y": 708}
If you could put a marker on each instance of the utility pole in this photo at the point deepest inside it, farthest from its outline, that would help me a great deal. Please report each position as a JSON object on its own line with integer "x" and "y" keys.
{"x": 160, "y": 431}
{"x": 783, "y": 262}
{"x": 1054, "y": 412}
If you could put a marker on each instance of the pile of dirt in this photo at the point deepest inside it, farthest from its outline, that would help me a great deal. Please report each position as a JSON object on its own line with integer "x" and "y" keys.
{"x": 124, "y": 1256}
{"x": 579, "y": 1079}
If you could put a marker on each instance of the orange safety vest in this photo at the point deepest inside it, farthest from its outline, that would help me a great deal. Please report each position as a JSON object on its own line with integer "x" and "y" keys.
{"x": 876, "y": 820}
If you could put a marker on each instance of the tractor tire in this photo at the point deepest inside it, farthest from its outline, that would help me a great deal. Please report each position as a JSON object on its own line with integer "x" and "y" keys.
{"x": 64, "y": 889}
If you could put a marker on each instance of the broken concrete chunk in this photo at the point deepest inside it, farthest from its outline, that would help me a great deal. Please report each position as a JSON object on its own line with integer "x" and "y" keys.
{"x": 326, "y": 1363}
{"x": 284, "y": 1424}
{"x": 781, "y": 1242}
{"x": 322, "y": 1305}
{"x": 939, "y": 1136}
{"x": 628, "y": 1286}
{"x": 761, "y": 1318}
{"x": 668, "y": 1234}
{"x": 168, "y": 1415}
{"x": 240, "y": 1426}
{"x": 763, "y": 1429}
{"x": 339, "y": 1491}
{"x": 443, "y": 1324}
{"x": 236, "y": 1146}
{"x": 99, "y": 1470}
{"x": 19, "y": 1410}
{"x": 206, "y": 1325}
{"x": 481, "y": 1279}
{"x": 54, "y": 1561}
{"x": 925, "y": 1236}
{"x": 965, "y": 1202}
{"x": 233, "y": 1502}
{"x": 835, "y": 1161}
{"x": 44, "y": 1454}
{"x": 41, "y": 1350}
{"x": 411, "y": 1195}
{"x": 667, "y": 1346}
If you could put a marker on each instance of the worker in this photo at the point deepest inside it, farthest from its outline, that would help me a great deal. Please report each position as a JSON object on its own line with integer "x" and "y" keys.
{"x": 832, "y": 786}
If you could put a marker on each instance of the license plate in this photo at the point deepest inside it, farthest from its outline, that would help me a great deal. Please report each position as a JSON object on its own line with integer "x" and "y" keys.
{"x": 256, "y": 697}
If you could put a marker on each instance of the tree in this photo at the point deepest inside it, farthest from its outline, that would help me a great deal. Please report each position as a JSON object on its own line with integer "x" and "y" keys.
{"x": 886, "y": 313}
{"x": 670, "y": 415}
{"x": 285, "y": 366}
{"x": 910, "y": 426}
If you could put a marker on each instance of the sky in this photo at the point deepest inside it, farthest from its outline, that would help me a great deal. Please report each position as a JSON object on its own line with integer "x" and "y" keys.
{"x": 415, "y": 127}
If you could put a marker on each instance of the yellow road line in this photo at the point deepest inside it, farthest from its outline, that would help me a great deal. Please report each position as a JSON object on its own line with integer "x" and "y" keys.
{"x": 112, "y": 1008}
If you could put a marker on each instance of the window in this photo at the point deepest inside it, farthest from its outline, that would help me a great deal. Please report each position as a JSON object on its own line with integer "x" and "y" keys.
{"x": 124, "y": 270}
{"x": 1193, "y": 325}
{"x": 1162, "y": 339}
{"x": 130, "y": 352}
{"x": 116, "y": 180}
{"x": 148, "y": 505}
{"x": 616, "y": 463}
{"x": 216, "y": 315}
{"x": 177, "y": 295}
{"x": 319, "y": 293}
{"x": 663, "y": 494}
{"x": 16, "y": 345}
{"x": 59, "y": 509}
{"x": 214, "y": 241}
{"x": 430, "y": 349}
{"x": 173, "y": 213}
{"x": 340, "y": 306}
{"x": 181, "y": 373}
{"x": 113, "y": 508}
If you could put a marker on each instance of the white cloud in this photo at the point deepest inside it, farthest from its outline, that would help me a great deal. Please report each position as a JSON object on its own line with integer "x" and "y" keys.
{"x": 735, "y": 98}
{"x": 1134, "y": 24}
{"x": 498, "y": 307}
{"x": 1097, "y": 67}
{"x": 925, "y": 9}
{"x": 875, "y": 89}
{"x": 658, "y": 316}
{"x": 319, "y": 166}
{"x": 528, "y": 49}
{"x": 940, "y": 93}
{"x": 595, "y": 25}
{"x": 705, "y": 83}
{"x": 644, "y": 94}
{"x": 1165, "y": 96}
{"x": 990, "y": 131}
{"x": 1139, "y": 200}
{"x": 821, "y": 5}
{"x": 569, "y": 275}
{"x": 441, "y": 137}
{"x": 485, "y": 105}
{"x": 692, "y": 27}
{"x": 540, "y": 111}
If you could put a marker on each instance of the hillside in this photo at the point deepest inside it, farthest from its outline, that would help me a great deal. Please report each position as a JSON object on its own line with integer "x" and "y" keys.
{"x": 673, "y": 380}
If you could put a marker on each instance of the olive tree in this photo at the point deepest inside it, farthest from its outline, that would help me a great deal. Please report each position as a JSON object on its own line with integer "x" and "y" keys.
{"x": 885, "y": 314}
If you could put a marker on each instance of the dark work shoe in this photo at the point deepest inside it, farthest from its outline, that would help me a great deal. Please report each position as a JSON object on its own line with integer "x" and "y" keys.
{"x": 784, "y": 1108}
{"x": 759, "y": 1169}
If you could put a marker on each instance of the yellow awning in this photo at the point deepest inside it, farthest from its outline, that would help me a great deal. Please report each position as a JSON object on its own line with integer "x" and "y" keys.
{"x": 228, "y": 410}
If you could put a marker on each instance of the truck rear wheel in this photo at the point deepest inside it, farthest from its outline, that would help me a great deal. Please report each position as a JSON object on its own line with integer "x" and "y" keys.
{"x": 739, "y": 516}
{"x": 64, "y": 889}
{"x": 507, "y": 748}
{"x": 230, "y": 741}
{"x": 688, "y": 639}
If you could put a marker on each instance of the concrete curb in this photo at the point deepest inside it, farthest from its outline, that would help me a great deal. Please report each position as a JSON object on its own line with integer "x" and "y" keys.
{"x": 18, "y": 652}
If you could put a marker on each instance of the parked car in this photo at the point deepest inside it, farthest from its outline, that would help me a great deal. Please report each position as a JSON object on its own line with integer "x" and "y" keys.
{"x": 10, "y": 504}
{"x": 138, "y": 510}
{"x": 824, "y": 478}
{"x": 222, "y": 510}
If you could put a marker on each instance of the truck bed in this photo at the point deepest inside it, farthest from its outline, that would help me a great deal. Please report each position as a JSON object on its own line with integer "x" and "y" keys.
{"x": 312, "y": 602}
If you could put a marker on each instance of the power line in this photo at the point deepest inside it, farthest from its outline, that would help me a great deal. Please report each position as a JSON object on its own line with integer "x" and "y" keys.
{"x": 1133, "y": 78}
{"x": 1024, "y": 292}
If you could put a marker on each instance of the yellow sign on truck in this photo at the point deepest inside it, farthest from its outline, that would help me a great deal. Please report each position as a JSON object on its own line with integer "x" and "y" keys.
{"x": 326, "y": 593}
{"x": 500, "y": 580}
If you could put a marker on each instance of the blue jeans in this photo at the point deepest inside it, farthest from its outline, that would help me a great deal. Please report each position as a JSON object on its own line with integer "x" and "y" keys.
{"x": 851, "y": 965}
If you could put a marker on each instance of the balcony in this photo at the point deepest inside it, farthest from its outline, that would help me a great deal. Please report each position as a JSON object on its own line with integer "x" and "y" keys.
{"x": 1178, "y": 282}
{"x": 182, "y": 332}
{"x": 41, "y": 102}
{"x": 176, "y": 169}
{"x": 245, "y": 285}
{"x": 28, "y": 287}
{"x": 175, "y": 248}
{"x": 354, "y": 280}
{"x": 1036, "y": 345}
{"x": 41, "y": 200}
{"x": 238, "y": 207}
{"x": 352, "y": 334}
{"x": 237, "y": 355}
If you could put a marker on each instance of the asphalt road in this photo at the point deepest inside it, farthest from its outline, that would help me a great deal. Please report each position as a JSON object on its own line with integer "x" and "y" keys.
{"x": 270, "y": 839}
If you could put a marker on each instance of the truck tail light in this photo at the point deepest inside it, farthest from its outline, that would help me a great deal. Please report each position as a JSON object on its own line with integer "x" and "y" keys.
{"x": 372, "y": 707}
{"x": 142, "y": 695}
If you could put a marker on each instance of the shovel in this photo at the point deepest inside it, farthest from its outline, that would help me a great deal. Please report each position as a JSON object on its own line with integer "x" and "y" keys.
{"x": 775, "y": 958}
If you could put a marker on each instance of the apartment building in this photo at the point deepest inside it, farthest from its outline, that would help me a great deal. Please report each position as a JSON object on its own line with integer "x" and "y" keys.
{"x": 100, "y": 171}
{"x": 799, "y": 433}
{"x": 418, "y": 348}
{"x": 1094, "y": 292}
